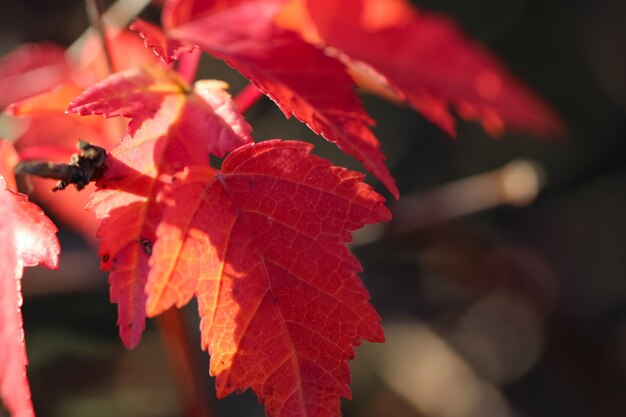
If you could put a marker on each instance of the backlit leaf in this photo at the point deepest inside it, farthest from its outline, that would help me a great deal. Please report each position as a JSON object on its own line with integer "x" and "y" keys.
{"x": 261, "y": 245}
{"x": 177, "y": 126}
{"x": 27, "y": 238}
{"x": 30, "y": 69}
{"x": 44, "y": 131}
{"x": 301, "y": 79}
{"x": 424, "y": 59}
{"x": 168, "y": 50}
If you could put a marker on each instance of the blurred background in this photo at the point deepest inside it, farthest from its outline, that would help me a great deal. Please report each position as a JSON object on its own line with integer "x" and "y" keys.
{"x": 501, "y": 281}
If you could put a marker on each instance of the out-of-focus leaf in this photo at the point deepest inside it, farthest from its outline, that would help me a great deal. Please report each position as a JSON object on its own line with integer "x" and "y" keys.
{"x": 27, "y": 238}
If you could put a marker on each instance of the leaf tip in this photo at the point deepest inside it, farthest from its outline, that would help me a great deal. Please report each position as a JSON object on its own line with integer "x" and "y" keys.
{"x": 130, "y": 335}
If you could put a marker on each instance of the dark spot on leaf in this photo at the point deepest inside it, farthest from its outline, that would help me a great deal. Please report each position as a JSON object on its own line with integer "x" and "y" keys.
{"x": 147, "y": 246}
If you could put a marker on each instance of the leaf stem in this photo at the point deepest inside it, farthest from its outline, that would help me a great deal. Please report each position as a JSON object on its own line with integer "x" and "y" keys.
{"x": 94, "y": 13}
{"x": 185, "y": 368}
{"x": 188, "y": 65}
{"x": 247, "y": 97}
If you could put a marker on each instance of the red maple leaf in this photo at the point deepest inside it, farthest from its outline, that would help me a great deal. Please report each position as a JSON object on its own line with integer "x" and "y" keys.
{"x": 261, "y": 242}
{"x": 300, "y": 78}
{"x": 172, "y": 125}
{"x": 424, "y": 59}
{"x": 31, "y": 69}
{"x": 27, "y": 238}
{"x": 168, "y": 50}
{"x": 261, "y": 245}
{"x": 46, "y": 132}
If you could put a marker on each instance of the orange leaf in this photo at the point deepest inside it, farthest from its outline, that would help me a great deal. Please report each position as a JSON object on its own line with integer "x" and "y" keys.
{"x": 54, "y": 100}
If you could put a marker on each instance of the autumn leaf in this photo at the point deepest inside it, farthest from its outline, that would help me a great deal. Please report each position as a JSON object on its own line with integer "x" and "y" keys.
{"x": 178, "y": 12}
{"x": 424, "y": 59}
{"x": 125, "y": 49}
{"x": 172, "y": 125}
{"x": 51, "y": 135}
{"x": 168, "y": 50}
{"x": 27, "y": 238}
{"x": 136, "y": 93}
{"x": 45, "y": 131}
{"x": 300, "y": 78}
{"x": 30, "y": 69}
{"x": 261, "y": 245}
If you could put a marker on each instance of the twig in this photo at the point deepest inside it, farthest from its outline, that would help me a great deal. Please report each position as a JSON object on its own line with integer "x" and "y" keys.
{"x": 94, "y": 13}
{"x": 193, "y": 399}
{"x": 518, "y": 183}
{"x": 119, "y": 15}
{"x": 84, "y": 167}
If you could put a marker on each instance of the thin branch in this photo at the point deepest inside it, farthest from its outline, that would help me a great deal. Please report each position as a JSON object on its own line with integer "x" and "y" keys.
{"x": 183, "y": 363}
{"x": 84, "y": 167}
{"x": 119, "y": 15}
{"x": 94, "y": 13}
{"x": 518, "y": 183}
